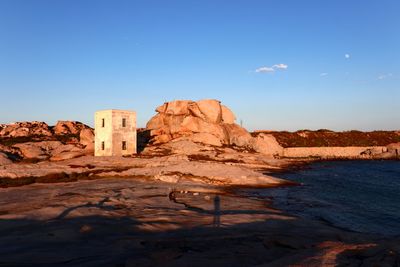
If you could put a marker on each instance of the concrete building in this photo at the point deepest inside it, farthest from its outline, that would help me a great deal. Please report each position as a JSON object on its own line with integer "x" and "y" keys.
{"x": 115, "y": 133}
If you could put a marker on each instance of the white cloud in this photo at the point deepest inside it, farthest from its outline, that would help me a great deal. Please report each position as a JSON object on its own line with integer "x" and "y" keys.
{"x": 385, "y": 76}
{"x": 266, "y": 69}
{"x": 280, "y": 66}
{"x": 347, "y": 56}
{"x": 323, "y": 74}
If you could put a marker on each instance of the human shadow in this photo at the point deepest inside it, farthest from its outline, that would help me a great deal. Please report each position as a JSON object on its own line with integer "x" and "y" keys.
{"x": 217, "y": 211}
{"x": 121, "y": 241}
{"x": 127, "y": 240}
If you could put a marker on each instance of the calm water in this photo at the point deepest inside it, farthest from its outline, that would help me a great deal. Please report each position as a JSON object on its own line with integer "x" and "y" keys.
{"x": 362, "y": 196}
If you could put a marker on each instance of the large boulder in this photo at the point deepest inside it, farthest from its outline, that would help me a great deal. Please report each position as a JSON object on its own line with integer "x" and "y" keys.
{"x": 69, "y": 127}
{"x": 200, "y": 121}
{"x": 178, "y": 107}
{"x": 197, "y": 125}
{"x": 267, "y": 144}
{"x": 204, "y": 122}
{"x": 211, "y": 110}
{"x": 86, "y": 138}
{"x": 227, "y": 115}
{"x": 237, "y": 135}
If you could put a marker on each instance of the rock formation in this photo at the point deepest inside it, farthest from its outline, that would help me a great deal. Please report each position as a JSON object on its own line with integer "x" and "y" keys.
{"x": 86, "y": 138}
{"x": 206, "y": 122}
{"x": 69, "y": 127}
{"x": 25, "y": 129}
{"x": 38, "y": 141}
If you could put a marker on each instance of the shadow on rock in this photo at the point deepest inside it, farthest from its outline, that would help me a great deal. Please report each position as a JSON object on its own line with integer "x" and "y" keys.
{"x": 111, "y": 241}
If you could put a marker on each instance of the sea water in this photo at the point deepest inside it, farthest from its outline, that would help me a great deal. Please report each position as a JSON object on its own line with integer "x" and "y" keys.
{"x": 361, "y": 196}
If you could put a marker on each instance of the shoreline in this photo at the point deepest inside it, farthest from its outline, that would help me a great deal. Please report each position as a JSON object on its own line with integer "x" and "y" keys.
{"x": 88, "y": 171}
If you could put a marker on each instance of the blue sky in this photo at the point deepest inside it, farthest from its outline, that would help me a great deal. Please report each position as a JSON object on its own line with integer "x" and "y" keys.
{"x": 283, "y": 65}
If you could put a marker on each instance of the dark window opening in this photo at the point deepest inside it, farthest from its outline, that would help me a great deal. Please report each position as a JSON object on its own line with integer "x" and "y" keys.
{"x": 123, "y": 145}
{"x": 103, "y": 146}
{"x": 103, "y": 123}
{"x": 123, "y": 122}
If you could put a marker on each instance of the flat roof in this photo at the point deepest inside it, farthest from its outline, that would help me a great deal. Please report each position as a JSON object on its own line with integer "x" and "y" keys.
{"x": 119, "y": 110}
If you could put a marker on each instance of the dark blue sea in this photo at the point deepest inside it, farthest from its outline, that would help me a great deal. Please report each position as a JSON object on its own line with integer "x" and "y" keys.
{"x": 361, "y": 196}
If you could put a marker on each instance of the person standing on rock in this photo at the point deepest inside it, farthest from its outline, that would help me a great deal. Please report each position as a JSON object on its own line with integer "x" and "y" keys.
{"x": 217, "y": 211}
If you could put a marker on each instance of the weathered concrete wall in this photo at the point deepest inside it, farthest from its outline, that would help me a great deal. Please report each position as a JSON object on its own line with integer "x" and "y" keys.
{"x": 333, "y": 152}
{"x": 113, "y": 134}
{"x": 103, "y": 134}
{"x": 124, "y": 134}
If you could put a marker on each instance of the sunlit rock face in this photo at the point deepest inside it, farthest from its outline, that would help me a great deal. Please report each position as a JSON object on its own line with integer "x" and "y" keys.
{"x": 205, "y": 121}
{"x": 39, "y": 141}
{"x": 69, "y": 127}
{"x": 24, "y": 129}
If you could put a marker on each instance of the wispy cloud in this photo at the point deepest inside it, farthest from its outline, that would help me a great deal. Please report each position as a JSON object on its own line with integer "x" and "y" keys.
{"x": 385, "y": 76}
{"x": 280, "y": 66}
{"x": 266, "y": 69}
{"x": 323, "y": 74}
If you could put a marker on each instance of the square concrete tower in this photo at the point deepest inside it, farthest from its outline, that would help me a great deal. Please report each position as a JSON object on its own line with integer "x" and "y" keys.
{"x": 115, "y": 133}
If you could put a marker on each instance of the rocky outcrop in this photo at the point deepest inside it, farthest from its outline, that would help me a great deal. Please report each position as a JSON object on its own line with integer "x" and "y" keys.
{"x": 205, "y": 121}
{"x": 25, "y": 129}
{"x": 69, "y": 127}
{"x": 86, "y": 138}
{"x": 267, "y": 144}
{"x": 36, "y": 140}
{"x": 53, "y": 150}
{"x": 38, "y": 150}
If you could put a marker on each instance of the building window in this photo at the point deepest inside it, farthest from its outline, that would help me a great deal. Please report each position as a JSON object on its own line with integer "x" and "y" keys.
{"x": 123, "y": 145}
{"x": 123, "y": 122}
{"x": 103, "y": 123}
{"x": 103, "y": 145}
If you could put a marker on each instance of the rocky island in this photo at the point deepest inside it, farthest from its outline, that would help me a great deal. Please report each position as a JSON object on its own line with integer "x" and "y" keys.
{"x": 179, "y": 201}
